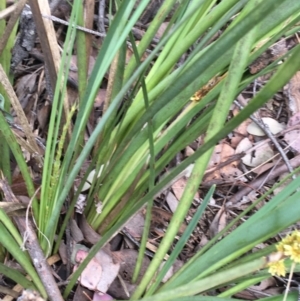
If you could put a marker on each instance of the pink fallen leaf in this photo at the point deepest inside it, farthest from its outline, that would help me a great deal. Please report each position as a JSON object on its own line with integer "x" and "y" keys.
{"x": 101, "y": 270}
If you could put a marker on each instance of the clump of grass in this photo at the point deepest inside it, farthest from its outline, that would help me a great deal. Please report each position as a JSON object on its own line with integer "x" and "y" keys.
{"x": 132, "y": 148}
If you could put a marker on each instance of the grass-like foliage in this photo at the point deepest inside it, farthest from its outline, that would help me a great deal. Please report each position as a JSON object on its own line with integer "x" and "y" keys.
{"x": 149, "y": 116}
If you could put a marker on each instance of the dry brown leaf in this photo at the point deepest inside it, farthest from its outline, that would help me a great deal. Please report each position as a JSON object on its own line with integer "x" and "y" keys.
{"x": 74, "y": 70}
{"x": 18, "y": 185}
{"x": 121, "y": 289}
{"x": 261, "y": 169}
{"x": 204, "y": 240}
{"x": 188, "y": 151}
{"x": 76, "y": 232}
{"x": 161, "y": 30}
{"x": 259, "y": 291}
{"x": 178, "y": 188}
{"x": 129, "y": 53}
{"x": 43, "y": 115}
{"x": 229, "y": 172}
{"x": 274, "y": 126}
{"x": 286, "y": 183}
{"x": 172, "y": 201}
{"x": 294, "y": 93}
{"x": 72, "y": 95}
{"x": 63, "y": 252}
{"x": 173, "y": 269}
{"x": 25, "y": 87}
{"x": 293, "y": 137}
{"x": 89, "y": 234}
{"x": 135, "y": 226}
{"x": 219, "y": 223}
{"x": 127, "y": 259}
{"x": 244, "y": 145}
{"x": 82, "y": 294}
{"x": 100, "y": 98}
{"x": 261, "y": 155}
{"x": 239, "y": 133}
{"x": 264, "y": 284}
{"x": 161, "y": 218}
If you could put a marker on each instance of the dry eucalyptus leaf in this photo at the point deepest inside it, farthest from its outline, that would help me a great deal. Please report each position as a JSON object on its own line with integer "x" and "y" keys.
{"x": 229, "y": 172}
{"x": 264, "y": 284}
{"x": 243, "y": 146}
{"x": 173, "y": 269}
{"x": 239, "y": 133}
{"x": 101, "y": 270}
{"x": 100, "y": 98}
{"x": 261, "y": 155}
{"x": 121, "y": 289}
{"x": 172, "y": 201}
{"x": 135, "y": 226}
{"x": 82, "y": 294}
{"x": 274, "y": 126}
{"x": 219, "y": 223}
{"x": 89, "y": 233}
{"x": 25, "y": 87}
{"x": 188, "y": 151}
{"x": 43, "y": 115}
{"x": 63, "y": 253}
{"x": 204, "y": 240}
{"x": 90, "y": 178}
{"x": 161, "y": 30}
{"x": 127, "y": 259}
{"x": 286, "y": 183}
{"x": 75, "y": 231}
{"x": 294, "y": 93}
{"x": 292, "y": 137}
{"x": 178, "y": 188}
{"x": 261, "y": 169}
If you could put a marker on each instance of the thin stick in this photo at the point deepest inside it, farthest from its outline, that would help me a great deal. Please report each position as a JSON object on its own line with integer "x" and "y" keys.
{"x": 289, "y": 281}
{"x": 101, "y": 16}
{"x": 33, "y": 247}
{"x": 255, "y": 184}
{"x": 266, "y": 129}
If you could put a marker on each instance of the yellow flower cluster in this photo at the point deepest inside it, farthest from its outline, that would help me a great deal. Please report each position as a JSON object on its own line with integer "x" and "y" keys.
{"x": 277, "y": 268}
{"x": 288, "y": 247}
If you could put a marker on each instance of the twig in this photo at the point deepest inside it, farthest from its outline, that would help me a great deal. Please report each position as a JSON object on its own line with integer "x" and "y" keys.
{"x": 101, "y": 16}
{"x": 55, "y": 19}
{"x": 135, "y": 242}
{"x": 289, "y": 281}
{"x": 295, "y": 162}
{"x": 84, "y": 29}
{"x": 19, "y": 128}
{"x": 33, "y": 247}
